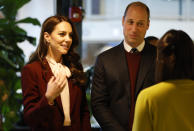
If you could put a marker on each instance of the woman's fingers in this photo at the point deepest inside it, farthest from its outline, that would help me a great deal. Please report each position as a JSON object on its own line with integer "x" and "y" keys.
{"x": 61, "y": 77}
{"x": 59, "y": 82}
{"x": 51, "y": 79}
{"x": 64, "y": 82}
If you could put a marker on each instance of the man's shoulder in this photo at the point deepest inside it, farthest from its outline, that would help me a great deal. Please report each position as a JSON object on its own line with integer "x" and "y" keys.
{"x": 112, "y": 51}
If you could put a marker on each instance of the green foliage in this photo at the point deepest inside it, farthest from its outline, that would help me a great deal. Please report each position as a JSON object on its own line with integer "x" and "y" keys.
{"x": 10, "y": 100}
{"x": 89, "y": 73}
{"x": 11, "y": 60}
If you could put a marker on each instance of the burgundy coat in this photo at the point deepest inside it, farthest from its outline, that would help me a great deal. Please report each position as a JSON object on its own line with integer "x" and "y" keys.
{"x": 38, "y": 114}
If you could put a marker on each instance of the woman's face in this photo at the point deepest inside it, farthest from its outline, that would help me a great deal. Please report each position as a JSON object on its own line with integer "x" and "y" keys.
{"x": 60, "y": 39}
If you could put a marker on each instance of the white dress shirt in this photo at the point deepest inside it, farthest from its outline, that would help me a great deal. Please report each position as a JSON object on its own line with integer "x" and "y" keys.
{"x": 128, "y": 47}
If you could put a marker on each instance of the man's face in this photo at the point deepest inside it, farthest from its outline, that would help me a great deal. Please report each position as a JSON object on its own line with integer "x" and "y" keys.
{"x": 135, "y": 24}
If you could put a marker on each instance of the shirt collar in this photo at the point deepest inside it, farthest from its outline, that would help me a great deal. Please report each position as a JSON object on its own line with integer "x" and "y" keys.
{"x": 128, "y": 47}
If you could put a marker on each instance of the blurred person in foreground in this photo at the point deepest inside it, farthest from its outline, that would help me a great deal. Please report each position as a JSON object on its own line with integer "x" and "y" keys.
{"x": 122, "y": 71}
{"x": 53, "y": 82}
{"x": 168, "y": 105}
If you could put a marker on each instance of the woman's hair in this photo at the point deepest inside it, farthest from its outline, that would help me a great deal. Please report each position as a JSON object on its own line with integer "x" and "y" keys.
{"x": 150, "y": 38}
{"x": 175, "y": 56}
{"x": 71, "y": 59}
{"x": 153, "y": 40}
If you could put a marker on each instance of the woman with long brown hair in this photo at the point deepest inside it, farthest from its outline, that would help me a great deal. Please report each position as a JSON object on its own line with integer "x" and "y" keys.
{"x": 53, "y": 81}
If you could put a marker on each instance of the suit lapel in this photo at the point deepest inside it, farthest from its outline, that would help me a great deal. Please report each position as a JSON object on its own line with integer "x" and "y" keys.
{"x": 144, "y": 67}
{"x": 123, "y": 69}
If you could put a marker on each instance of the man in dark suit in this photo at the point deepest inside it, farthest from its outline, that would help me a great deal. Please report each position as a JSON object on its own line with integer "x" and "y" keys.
{"x": 123, "y": 71}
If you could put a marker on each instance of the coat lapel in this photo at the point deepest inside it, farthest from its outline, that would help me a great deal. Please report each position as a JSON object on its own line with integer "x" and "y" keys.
{"x": 73, "y": 94}
{"x": 47, "y": 74}
{"x": 123, "y": 68}
{"x": 144, "y": 67}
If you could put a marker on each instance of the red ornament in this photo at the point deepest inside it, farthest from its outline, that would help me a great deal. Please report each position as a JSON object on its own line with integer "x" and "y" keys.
{"x": 75, "y": 14}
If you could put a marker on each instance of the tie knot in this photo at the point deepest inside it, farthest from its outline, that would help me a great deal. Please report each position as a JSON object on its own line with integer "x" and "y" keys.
{"x": 133, "y": 50}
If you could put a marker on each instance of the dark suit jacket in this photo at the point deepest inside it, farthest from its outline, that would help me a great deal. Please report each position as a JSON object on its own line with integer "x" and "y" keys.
{"x": 41, "y": 116}
{"x": 111, "y": 86}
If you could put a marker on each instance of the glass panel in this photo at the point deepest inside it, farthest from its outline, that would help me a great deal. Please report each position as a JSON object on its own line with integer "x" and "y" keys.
{"x": 160, "y": 9}
{"x": 163, "y": 8}
{"x": 188, "y": 11}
